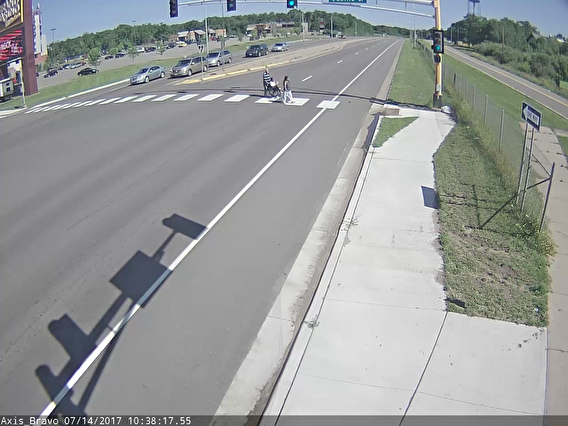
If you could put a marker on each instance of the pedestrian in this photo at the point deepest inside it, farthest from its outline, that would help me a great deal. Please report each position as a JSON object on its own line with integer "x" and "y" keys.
{"x": 287, "y": 97}
{"x": 266, "y": 81}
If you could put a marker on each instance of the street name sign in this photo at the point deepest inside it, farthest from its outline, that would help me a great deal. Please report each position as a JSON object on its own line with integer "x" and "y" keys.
{"x": 531, "y": 116}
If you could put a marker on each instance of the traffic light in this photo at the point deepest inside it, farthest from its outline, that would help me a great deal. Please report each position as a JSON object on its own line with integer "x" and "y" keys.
{"x": 231, "y": 5}
{"x": 438, "y": 41}
{"x": 291, "y": 4}
{"x": 173, "y": 8}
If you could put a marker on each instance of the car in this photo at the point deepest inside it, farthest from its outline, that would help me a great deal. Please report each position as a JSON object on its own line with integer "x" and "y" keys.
{"x": 87, "y": 71}
{"x": 147, "y": 74}
{"x": 51, "y": 72}
{"x": 188, "y": 66}
{"x": 109, "y": 57}
{"x": 257, "y": 50}
{"x": 181, "y": 43}
{"x": 280, "y": 47}
{"x": 215, "y": 59}
{"x": 140, "y": 50}
{"x": 75, "y": 65}
{"x": 120, "y": 55}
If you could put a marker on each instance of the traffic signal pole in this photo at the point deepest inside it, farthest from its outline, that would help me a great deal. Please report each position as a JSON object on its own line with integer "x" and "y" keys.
{"x": 437, "y": 98}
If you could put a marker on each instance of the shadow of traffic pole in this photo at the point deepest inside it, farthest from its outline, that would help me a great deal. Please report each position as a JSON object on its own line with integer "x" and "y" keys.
{"x": 137, "y": 281}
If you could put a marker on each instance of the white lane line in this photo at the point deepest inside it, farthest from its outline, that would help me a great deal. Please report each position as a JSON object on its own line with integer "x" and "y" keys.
{"x": 108, "y": 101}
{"x": 237, "y": 98}
{"x": 307, "y": 78}
{"x": 340, "y": 61}
{"x": 243, "y": 393}
{"x": 123, "y": 100}
{"x": 357, "y": 53}
{"x": 164, "y": 97}
{"x": 209, "y": 98}
{"x": 185, "y": 97}
{"x": 116, "y": 329}
{"x": 71, "y": 105}
{"x": 143, "y": 98}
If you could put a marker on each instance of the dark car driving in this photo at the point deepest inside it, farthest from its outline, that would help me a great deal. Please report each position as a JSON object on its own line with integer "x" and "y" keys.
{"x": 51, "y": 72}
{"x": 88, "y": 71}
{"x": 257, "y": 50}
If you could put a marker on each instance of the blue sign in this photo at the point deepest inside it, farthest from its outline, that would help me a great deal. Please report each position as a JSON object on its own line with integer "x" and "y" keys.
{"x": 531, "y": 116}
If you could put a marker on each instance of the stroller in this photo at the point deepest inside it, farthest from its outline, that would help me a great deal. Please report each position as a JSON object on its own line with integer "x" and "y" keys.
{"x": 273, "y": 90}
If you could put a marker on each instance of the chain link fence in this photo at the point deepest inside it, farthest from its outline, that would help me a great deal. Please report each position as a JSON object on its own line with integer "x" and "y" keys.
{"x": 527, "y": 171}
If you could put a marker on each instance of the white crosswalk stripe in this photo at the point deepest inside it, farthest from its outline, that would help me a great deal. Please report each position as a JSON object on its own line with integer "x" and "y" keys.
{"x": 108, "y": 101}
{"x": 237, "y": 98}
{"x": 59, "y": 107}
{"x": 164, "y": 98}
{"x": 185, "y": 97}
{"x": 328, "y": 104}
{"x": 123, "y": 100}
{"x": 142, "y": 99}
{"x": 299, "y": 102}
{"x": 80, "y": 104}
{"x": 209, "y": 98}
{"x": 49, "y": 108}
{"x": 34, "y": 110}
{"x": 94, "y": 102}
{"x": 265, "y": 101}
{"x": 71, "y": 105}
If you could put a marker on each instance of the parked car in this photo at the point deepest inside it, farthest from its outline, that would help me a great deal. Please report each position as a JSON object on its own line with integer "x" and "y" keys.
{"x": 150, "y": 49}
{"x": 87, "y": 71}
{"x": 120, "y": 55}
{"x": 280, "y": 47}
{"x": 186, "y": 67}
{"x": 140, "y": 50}
{"x": 109, "y": 57}
{"x": 215, "y": 59}
{"x": 181, "y": 43}
{"x": 148, "y": 73}
{"x": 257, "y": 50}
{"x": 51, "y": 72}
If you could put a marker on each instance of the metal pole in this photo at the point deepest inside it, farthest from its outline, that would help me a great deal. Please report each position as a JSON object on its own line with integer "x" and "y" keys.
{"x": 528, "y": 171}
{"x": 331, "y": 25}
{"x": 23, "y": 91}
{"x": 437, "y": 101}
{"x": 473, "y": 88}
{"x": 522, "y": 163}
{"x": 485, "y": 109}
{"x": 206, "y": 30}
{"x": 547, "y": 197}
{"x": 501, "y": 128}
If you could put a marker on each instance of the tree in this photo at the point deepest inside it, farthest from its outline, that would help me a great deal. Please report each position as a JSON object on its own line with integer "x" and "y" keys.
{"x": 94, "y": 55}
{"x": 113, "y": 51}
{"x": 132, "y": 52}
{"x": 254, "y": 34}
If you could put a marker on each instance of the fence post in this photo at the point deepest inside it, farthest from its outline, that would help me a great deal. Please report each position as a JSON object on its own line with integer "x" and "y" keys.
{"x": 522, "y": 163}
{"x": 547, "y": 197}
{"x": 528, "y": 172}
{"x": 485, "y": 109}
{"x": 473, "y": 89}
{"x": 502, "y": 127}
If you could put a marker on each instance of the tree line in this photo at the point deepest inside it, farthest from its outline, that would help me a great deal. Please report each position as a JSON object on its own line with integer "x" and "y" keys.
{"x": 123, "y": 37}
{"x": 518, "y": 45}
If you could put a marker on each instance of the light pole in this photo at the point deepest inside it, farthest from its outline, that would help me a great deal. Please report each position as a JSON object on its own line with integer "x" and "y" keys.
{"x": 206, "y": 30}
{"x": 134, "y": 32}
{"x": 52, "y": 35}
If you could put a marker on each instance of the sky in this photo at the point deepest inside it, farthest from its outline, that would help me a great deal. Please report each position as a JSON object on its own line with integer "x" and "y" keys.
{"x": 71, "y": 18}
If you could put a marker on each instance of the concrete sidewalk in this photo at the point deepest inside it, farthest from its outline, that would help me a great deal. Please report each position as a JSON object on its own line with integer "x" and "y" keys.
{"x": 378, "y": 339}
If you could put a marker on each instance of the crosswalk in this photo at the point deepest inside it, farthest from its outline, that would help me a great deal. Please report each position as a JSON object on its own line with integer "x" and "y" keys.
{"x": 176, "y": 97}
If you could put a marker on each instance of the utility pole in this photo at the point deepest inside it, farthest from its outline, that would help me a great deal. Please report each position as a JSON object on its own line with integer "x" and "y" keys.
{"x": 355, "y": 28}
{"x": 206, "y": 30}
{"x": 503, "y": 42}
{"x": 331, "y": 25}
{"x": 53, "y": 35}
{"x": 437, "y": 99}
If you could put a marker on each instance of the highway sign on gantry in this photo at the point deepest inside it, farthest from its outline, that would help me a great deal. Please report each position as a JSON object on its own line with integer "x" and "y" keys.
{"x": 531, "y": 116}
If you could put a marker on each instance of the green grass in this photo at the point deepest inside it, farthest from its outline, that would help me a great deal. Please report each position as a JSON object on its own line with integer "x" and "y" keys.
{"x": 413, "y": 81}
{"x": 500, "y": 271}
{"x": 564, "y": 144}
{"x": 503, "y": 96}
{"x": 564, "y": 85}
{"x": 390, "y": 127}
{"x": 80, "y": 84}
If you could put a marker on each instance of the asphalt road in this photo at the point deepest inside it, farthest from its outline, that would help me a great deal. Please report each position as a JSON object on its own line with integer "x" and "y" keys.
{"x": 549, "y": 99}
{"x": 99, "y": 200}
{"x": 175, "y": 53}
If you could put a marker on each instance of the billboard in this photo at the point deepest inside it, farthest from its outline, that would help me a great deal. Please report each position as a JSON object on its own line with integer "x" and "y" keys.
{"x": 11, "y": 46}
{"x": 11, "y": 14}
{"x": 322, "y": 24}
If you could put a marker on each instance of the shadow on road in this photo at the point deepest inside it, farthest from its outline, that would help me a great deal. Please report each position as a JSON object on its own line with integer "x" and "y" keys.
{"x": 137, "y": 281}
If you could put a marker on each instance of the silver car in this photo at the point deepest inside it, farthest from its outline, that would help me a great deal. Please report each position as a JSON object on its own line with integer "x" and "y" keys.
{"x": 186, "y": 67}
{"x": 215, "y": 59}
{"x": 148, "y": 73}
{"x": 280, "y": 47}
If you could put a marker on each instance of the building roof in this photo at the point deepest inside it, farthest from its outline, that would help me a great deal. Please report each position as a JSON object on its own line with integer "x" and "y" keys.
{"x": 200, "y": 32}
{"x": 183, "y": 33}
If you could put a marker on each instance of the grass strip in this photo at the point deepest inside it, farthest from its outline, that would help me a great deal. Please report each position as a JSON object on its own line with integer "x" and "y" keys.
{"x": 410, "y": 86}
{"x": 390, "y": 127}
